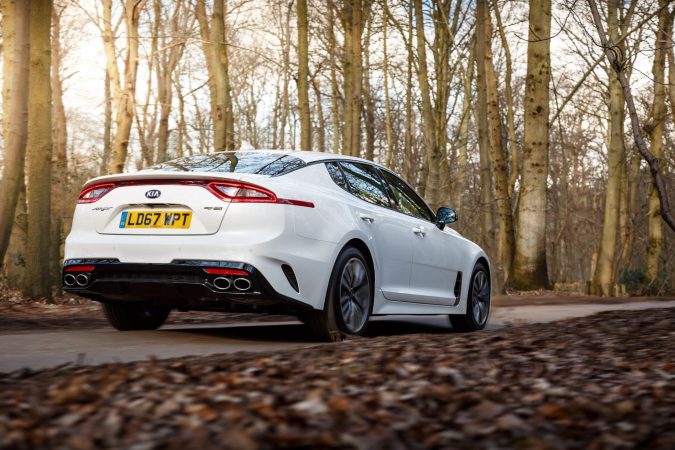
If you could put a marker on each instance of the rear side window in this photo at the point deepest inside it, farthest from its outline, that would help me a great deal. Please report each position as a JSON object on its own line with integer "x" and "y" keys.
{"x": 336, "y": 174}
{"x": 407, "y": 201}
{"x": 365, "y": 183}
{"x": 262, "y": 163}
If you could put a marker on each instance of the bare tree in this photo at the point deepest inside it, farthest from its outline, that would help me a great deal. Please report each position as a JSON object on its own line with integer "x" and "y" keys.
{"x": 303, "y": 77}
{"x": 215, "y": 49}
{"x": 15, "y": 16}
{"x": 529, "y": 261}
{"x": 612, "y": 56}
{"x": 59, "y": 182}
{"x": 603, "y": 278}
{"x": 123, "y": 95}
{"x": 39, "y": 152}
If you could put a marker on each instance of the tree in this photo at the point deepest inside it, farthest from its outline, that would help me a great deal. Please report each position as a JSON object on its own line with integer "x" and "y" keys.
{"x": 656, "y": 135}
{"x": 39, "y": 152}
{"x": 303, "y": 77}
{"x": 499, "y": 160}
{"x": 167, "y": 61}
{"x": 15, "y": 16}
{"x": 603, "y": 278}
{"x": 60, "y": 157}
{"x": 433, "y": 153}
{"x": 352, "y": 19}
{"x": 529, "y": 260}
{"x": 123, "y": 95}
{"x": 214, "y": 45}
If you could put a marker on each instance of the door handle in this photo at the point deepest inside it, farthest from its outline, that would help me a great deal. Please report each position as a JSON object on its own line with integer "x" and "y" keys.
{"x": 419, "y": 231}
{"x": 367, "y": 219}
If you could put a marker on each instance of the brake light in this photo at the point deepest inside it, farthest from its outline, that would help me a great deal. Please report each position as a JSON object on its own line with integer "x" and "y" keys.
{"x": 95, "y": 193}
{"x": 238, "y": 192}
{"x": 241, "y": 192}
{"x": 80, "y": 269}
{"x": 221, "y": 271}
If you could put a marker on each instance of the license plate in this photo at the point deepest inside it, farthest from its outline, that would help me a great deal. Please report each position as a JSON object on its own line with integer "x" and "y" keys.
{"x": 155, "y": 219}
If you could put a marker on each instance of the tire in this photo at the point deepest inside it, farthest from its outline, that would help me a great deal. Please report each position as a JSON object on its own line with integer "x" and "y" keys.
{"x": 135, "y": 316}
{"x": 349, "y": 299}
{"x": 477, "y": 303}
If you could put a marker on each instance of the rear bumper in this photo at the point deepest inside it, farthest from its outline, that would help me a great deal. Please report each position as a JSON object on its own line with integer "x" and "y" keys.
{"x": 182, "y": 284}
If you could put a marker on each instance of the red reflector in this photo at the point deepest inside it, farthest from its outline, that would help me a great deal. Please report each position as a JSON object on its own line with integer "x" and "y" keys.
{"x": 297, "y": 202}
{"x": 79, "y": 268}
{"x": 219, "y": 271}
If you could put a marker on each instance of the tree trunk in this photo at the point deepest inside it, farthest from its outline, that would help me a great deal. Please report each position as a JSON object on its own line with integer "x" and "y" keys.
{"x": 508, "y": 94}
{"x": 505, "y": 237}
{"x": 107, "y": 125}
{"x": 285, "y": 102}
{"x": 486, "y": 198}
{"x": 126, "y": 99}
{"x": 352, "y": 17}
{"x": 408, "y": 147}
{"x": 389, "y": 161}
{"x": 214, "y": 46}
{"x": 603, "y": 277}
{"x": 335, "y": 112}
{"x": 167, "y": 61}
{"x": 15, "y": 16}
{"x": 321, "y": 130}
{"x": 369, "y": 103}
{"x": 39, "y": 152}
{"x": 529, "y": 261}
{"x": 433, "y": 153}
{"x": 658, "y": 126}
{"x": 59, "y": 184}
{"x": 303, "y": 77}
{"x": 463, "y": 133}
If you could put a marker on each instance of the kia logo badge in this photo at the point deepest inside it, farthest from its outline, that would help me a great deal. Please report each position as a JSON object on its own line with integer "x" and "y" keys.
{"x": 153, "y": 193}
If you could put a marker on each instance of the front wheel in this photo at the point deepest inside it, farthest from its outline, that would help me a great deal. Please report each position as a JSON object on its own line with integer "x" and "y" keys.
{"x": 349, "y": 300}
{"x": 477, "y": 303}
{"x": 135, "y": 316}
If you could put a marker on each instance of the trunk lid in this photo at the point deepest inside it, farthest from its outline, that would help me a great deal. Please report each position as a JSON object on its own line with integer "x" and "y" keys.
{"x": 160, "y": 204}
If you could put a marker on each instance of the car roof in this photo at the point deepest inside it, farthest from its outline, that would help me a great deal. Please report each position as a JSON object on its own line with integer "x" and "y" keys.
{"x": 306, "y": 156}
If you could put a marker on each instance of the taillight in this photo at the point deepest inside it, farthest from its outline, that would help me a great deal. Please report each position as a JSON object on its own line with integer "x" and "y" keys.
{"x": 221, "y": 271}
{"x": 95, "y": 193}
{"x": 241, "y": 192}
{"x": 80, "y": 269}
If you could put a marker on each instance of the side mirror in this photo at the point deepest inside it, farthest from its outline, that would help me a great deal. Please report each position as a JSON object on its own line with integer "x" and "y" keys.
{"x": 445, "y": 216}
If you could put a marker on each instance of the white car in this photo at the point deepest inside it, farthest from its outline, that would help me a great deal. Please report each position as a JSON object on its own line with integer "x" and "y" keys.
{"x": 331, "y": 239}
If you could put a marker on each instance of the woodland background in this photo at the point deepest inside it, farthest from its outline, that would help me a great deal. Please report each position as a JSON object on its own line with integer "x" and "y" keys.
{"x": 507, "y": 110}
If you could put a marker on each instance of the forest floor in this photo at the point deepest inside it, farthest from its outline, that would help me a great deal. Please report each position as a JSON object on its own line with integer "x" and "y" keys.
{"x": 603, "y": 381}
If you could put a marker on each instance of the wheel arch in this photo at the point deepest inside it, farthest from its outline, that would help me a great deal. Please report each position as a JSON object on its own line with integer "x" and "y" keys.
{"x": 359, "y": 243}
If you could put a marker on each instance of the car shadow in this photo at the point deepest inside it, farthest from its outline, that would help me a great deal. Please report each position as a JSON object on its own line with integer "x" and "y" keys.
{"x": 300, "y": 333}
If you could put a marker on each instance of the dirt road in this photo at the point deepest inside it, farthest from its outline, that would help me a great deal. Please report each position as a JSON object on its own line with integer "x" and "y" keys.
{"x": 41, "y": 349}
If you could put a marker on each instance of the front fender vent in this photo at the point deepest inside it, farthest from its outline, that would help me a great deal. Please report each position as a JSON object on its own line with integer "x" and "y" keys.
{"x": 458, "y": 287}
{"x": 290, "y": 276}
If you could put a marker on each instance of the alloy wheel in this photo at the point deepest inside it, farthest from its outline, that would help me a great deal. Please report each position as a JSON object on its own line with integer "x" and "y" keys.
{"x": 480, "y": 292}
{"x": 354, "y": 295}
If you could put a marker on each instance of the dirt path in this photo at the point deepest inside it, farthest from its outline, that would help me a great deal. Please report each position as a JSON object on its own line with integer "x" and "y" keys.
{"x": 47, "y": 348}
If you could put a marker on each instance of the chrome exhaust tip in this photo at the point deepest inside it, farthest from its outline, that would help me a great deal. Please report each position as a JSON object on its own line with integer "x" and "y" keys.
{"x": 69, "y": 280}
{"x": 242, "y": 284}
{"x": 82, "y": 279}
{"x": 222, "y": 283}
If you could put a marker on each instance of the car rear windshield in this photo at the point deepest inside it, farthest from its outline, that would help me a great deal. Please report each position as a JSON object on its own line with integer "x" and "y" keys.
{"x": 263, "y": 163}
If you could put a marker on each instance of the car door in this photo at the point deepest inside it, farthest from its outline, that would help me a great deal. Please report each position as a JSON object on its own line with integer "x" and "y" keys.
{"x": 435, "y": 260}
{"x": 391, "y": 238}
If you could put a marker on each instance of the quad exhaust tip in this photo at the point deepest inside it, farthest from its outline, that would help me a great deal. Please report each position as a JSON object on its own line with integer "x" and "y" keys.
{"x": 69, "y": 279}
{"x": 82, "y": 279}
{"x": 242, "y": 284}
{"x": 222, "y": 283}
